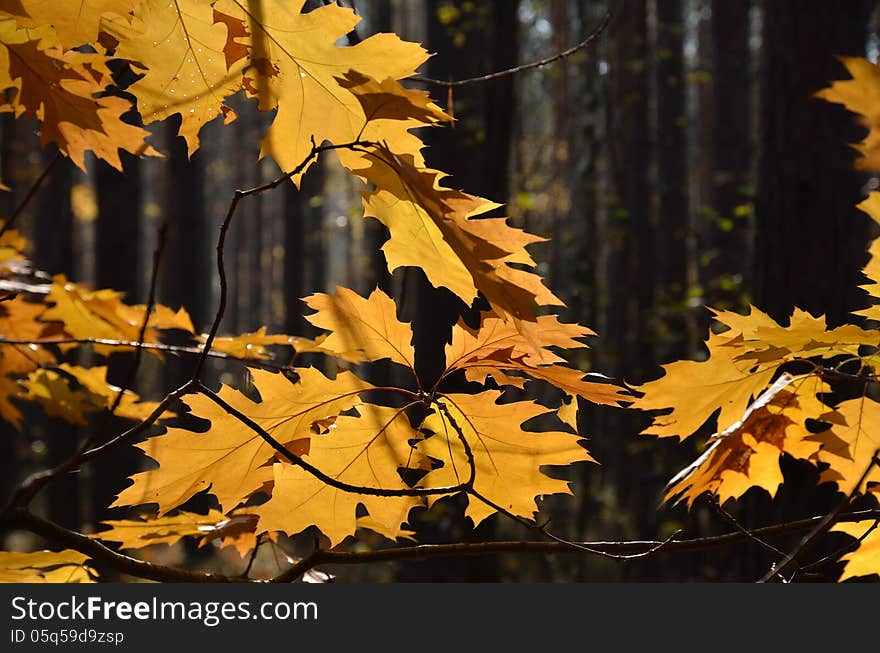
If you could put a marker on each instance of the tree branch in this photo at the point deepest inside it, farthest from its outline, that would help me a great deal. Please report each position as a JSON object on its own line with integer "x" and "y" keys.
{"x": 623, "y": 551}
{"x": 596, "y": 33}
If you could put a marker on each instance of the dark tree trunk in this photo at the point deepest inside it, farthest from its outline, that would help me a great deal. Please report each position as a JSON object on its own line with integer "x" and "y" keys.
{"x": 810, "y": 239}
{"x": 730, "y": 196}
{"x": 671, "y": 181}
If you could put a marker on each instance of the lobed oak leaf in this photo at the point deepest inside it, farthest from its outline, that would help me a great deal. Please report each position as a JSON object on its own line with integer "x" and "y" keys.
{"x": 60, "y": 89}
{"x": 861, "y": 95}
{"x": 435, "y": 228}
{"x": 849, "y": 446}
{"x": 54, "y": 394}
{"x": 388, "y": 100}
{"x": 365, "y": 451}
{"x": 253, "y": 345}
{"x": 181, "y": 50}
{"x": 695, "y": 390}
{"x": 507, "y": 459}
{"x": 102, "y": 394}
{"x": 230, "y": 459}
{"x": 65, "y": 566}
{"x": 12, "y": 246}
{"x": 101, "y": 314}
{"x": 368, "y": 325}
{"x": 747, "y": 453}
{"x": 236, "y": 530}
{"x": 294, "y": 63}
{"x": 871, "y": 206}
{"x": 76, "y": 22}
{"x": 865, "y": 560}
{"x": 18, "y": 321}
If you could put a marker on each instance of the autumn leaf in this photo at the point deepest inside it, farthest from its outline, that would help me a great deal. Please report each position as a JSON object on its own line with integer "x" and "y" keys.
{"x": 102, "y": 395}
{"x": 65, "y": 566}
{"x": 236, "y": 530}
{"x": 230, "y": 459}
{"x": 507, "y": 459}
{"x": 294, "y": 62}
{"x": 871, "y": 206}
{"x": 747, "y": 453}
{"x": 76, "y": 22}
{"x": 695, "y": 390}
{"x": 12, "y": 246}
{"x": 865, "y": 560}
{"x": 101, "y": 314}
{"x": 365, "y": 451}
{"x": 180, "y": 48}
{"x": 18, "y": 321}
{"x": 861, "y": 95}
{"x": 388, "y": 100}
{"x": 58, "y": 399}
{"x": 437, "y": 229}
{"x": 368, "y": 325}
{"x": 59, "y": 88}
{"x": 850, "y": 445}
{"x": 253, "y": 345}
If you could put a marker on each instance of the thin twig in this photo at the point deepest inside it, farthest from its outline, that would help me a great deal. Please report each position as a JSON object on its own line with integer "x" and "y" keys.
{"x": 733, "y": 521}
{"x": 142, "y": 333}
{"x": 237, "y": 196}
{"x": 30, "y": 194}
{"x": 518, "y": 69}
{"x": 253, "y": 556}
{"x": 149, "y": 346}
{"x": 627, "y": 549}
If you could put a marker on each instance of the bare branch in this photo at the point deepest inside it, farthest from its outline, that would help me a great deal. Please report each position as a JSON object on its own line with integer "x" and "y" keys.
{"x": 622, "y": 551}
{"x": 595, "y": 34}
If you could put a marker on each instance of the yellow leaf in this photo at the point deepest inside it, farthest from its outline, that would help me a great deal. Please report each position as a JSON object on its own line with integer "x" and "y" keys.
{"x": 75, "y": 21}
{"x": 861, "y": 95}
{"x": 230, "y": 458}
{"x": 294, "y": 63}
{"x": 253, "y": 345}
{"x": 747, "y": 453}
{"x": 65, "y": 566}
{"x": 12, "y": 246}
{"x": 181, "y": 49}
{"x": 60, "y": 89}
{"x": 849, "y": 447}
{"x": 369, "y": 325}
{"x": 103, "y": 395}
{"x": 388, "y": 100}
{"x": 138, "y": 533}
{"x": 101, "y": 314}
{"x": 435, "y": 228}
{"x": 53, "y": 393}
{"x": 364, "y": 451}
{"x": 18, "y": 321}
{"x": 508, "y": 459}
{"x": 695, "y": 390}
{"x": 865, "y": 560}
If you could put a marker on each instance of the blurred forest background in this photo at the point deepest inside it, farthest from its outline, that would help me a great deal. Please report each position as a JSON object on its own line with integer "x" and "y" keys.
{"x": 675, "y": 163}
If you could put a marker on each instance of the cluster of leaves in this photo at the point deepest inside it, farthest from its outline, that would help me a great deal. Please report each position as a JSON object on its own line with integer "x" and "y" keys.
{"x": 327, "y": 449}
